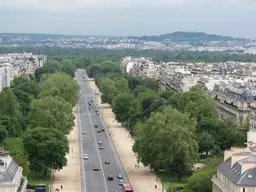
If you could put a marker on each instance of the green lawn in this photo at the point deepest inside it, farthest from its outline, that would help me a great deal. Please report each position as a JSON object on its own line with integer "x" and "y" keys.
{"x": 14, "y": 145}
{"x": 170, "y": 181}
{"x": 36, "y": 178}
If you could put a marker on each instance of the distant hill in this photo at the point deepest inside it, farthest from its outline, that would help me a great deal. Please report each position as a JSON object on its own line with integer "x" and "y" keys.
{"x": 186, "y": 37}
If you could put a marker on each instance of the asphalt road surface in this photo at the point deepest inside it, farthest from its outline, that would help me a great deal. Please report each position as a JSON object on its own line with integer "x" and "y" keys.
{"x": 96, "y": 181}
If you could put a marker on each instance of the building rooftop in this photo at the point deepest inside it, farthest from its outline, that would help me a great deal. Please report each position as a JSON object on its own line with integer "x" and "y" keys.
{"x": 234, "y": 173}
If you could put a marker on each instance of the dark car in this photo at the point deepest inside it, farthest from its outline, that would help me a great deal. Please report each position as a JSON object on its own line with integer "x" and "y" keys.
{"x": 97, "y": 114}
{"x": 110, "y": 178}
{"x": 96, "y": 111}
{"x": 119, "y": 176}
{"x": 96, "y": 168}
{"x": 99, "y": 131}
{"x": 92, "y": 101}
{"x": 107, "y": 162}
{"x": 95, "y": 126}
{"x": 103, "y": 130}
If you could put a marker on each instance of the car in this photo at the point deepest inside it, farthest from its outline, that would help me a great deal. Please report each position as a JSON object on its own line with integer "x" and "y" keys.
{"x": 107, "y": 162}
{"x": 96, "y": 111}
{"x": 96, "y": 168}
{"x": 84, "y": 132}
{"x": 110, "y": 178}
{"x": 99, "y": 142}
{"x": 101, "y": 147}
{"x": 86, "y": 156}
{"x": 119, "y": 176}
{"x": 103, "y": 130}
{"x": 97, "y": 114}
{"x": 120, "y": 182}
{"x": 95, "y": 126}
{"x": 99, "y": 131}
{"x": 92, "y": 101}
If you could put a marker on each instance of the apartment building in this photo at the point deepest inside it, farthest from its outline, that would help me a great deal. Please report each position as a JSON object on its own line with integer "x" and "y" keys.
{"x": 233, "y": 101}
{"x": 140, "y": 67}
{"x": 11, "y": 178}
{"x": 5, "y": 76}
{"x": 16, "y": 65}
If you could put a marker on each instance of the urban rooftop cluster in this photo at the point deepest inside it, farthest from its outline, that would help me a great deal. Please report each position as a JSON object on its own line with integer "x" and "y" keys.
{"x": 18, "y": 64}
{"x": 232, "y": 85}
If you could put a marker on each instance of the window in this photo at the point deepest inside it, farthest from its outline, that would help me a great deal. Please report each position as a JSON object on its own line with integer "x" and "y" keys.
{"x": 1, "y": 163}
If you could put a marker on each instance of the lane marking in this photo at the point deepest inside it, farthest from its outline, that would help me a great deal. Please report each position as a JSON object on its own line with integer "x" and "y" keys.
{"x": 96, "y": 145}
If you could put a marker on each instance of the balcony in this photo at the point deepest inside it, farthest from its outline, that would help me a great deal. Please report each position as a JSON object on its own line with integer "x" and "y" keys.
{"x": 219, "y": 184}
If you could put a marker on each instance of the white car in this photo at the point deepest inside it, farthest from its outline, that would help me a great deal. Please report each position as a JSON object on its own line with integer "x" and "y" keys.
{"x": 86, "y": 156}
{"x": 84, "y": 132}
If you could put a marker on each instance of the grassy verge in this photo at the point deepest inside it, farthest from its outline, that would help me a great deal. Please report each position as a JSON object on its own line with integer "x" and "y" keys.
{"x": 38, "y": 178}
{"x": 170, "y": 181}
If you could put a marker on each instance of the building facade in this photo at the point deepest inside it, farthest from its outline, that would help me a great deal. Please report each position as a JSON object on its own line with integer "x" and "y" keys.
{"x": 237, "y": 173}
{"x": 11, "y": 178}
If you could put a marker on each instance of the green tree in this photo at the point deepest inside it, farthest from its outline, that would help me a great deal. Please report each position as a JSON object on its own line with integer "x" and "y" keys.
{"x": 9, "y": 104}
{"x": 133, "y": 82}
{"x": 229, "y": 135}
{"x": 134, "y": 114}
{"x": 158, "y": 104}
{"x": 167, "y": 141}
{"x": 121, "y": 84}
{"x": 62, "y": 85}
{"x": 150, "y": 83}
{"x": 51, "y": 66}
{"x": 11, "y": 124}
{"x": 3, "y": 133}
{"x": 53, "y": 112}
{"x": 108, "y": 89}
{"x": 166, "y": 94}
{"x": 46, "y": 148}
{"x": 121, "y": 105}
{"x": 200, "y": 181}
{"x": 205, "y": 142}
{"x": 68, "y": 67}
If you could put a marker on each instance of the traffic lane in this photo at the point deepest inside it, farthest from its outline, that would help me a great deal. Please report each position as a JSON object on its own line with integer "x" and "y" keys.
{"x": 94, "y": 179}
{"x": 107, "y": 153}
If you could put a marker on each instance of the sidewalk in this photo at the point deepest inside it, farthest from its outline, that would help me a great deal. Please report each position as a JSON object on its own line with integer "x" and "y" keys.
{"x": 69, "y": 176}
{"x": 142, "y": 179}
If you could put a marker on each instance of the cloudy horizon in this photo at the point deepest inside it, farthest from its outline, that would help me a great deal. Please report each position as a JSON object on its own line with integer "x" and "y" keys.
{"x": 123, "y": 18}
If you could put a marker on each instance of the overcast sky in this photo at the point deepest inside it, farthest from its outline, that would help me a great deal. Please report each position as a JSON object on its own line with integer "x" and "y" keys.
{"x": 129, "y": 17}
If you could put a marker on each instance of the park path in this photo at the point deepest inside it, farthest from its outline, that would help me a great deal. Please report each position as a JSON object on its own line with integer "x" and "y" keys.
{"x": 69, "y": 176}
{"x": 142, "y": 179}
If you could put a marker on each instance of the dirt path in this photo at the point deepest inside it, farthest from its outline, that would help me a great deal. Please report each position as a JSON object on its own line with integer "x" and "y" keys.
{"x": 142, "y": 179}
{"x": 69, "y": 176}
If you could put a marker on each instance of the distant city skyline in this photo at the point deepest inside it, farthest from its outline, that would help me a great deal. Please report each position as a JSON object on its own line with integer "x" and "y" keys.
{"x": 122, "y": 18}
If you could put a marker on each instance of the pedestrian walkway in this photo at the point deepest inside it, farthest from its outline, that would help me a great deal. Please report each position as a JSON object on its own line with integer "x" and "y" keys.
{"x": 142, "y": 179}
{"x": 69, "y": 176}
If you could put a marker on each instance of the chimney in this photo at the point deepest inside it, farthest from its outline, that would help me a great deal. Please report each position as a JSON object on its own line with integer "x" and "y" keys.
{"x": 238, "y": 156}
{"x": 228, "y": 153}
{"x": 248, "y": 164}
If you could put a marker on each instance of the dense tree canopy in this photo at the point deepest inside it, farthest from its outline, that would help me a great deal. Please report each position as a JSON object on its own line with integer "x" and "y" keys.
{"x": 167, "y": 141}
{"x": 62, "y": 85}
{"x": 46, "y": 148}
{"x": 108, "y": 89}
{"x": 51, "y": 112}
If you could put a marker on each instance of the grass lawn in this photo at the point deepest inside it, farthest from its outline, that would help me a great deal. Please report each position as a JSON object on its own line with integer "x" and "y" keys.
{"x": 170, "y": 181}
{"x": 38, "y": 178}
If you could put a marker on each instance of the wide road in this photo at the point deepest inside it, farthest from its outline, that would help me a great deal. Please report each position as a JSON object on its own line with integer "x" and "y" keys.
{"x": 96, "y": 181}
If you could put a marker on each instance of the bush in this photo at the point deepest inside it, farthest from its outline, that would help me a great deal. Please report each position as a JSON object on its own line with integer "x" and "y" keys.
{"x": 200, "y": 181}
